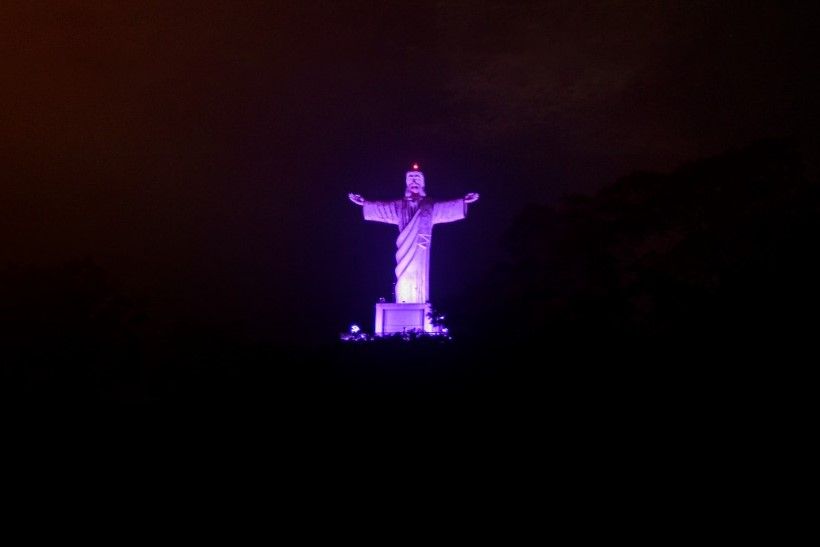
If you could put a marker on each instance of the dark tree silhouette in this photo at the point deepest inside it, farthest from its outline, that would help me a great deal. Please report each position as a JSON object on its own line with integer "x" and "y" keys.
{"x": 719, "y": 251}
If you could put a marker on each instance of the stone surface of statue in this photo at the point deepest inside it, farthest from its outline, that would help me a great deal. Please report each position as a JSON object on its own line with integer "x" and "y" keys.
{"x": 415, "y": 215}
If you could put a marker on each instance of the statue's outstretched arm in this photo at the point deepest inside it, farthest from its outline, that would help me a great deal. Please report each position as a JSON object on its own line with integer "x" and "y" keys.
{"x": 471, "y": 197}
{"x": 356, "y": 198}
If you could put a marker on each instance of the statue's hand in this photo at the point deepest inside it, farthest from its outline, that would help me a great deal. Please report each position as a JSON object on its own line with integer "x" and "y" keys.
{"x": 471, "y": 197}
{"x": 356, "y": 198}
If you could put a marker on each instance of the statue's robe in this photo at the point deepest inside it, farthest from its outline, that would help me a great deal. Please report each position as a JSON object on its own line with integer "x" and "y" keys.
{"x": 415, "y": 219}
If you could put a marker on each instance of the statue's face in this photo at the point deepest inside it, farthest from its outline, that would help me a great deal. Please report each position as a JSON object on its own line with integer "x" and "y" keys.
{"x": 415, "y": 182}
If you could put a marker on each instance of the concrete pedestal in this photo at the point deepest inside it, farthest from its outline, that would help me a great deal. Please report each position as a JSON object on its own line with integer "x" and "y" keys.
{"x": 392, "y": 318}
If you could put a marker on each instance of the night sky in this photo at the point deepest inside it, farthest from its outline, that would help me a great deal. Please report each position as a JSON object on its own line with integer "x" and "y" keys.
{"x": 202, "y": 152}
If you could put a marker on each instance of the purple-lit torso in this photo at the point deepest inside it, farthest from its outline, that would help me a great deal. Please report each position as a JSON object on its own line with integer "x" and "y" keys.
{"x": 415, "y": 219}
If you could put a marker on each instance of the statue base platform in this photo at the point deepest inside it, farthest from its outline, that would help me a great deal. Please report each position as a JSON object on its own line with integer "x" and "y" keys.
{"x": 392, "y": 318}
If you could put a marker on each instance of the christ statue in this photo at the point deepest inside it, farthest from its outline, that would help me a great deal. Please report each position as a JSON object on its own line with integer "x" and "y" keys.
{"x": 415, "y": 215}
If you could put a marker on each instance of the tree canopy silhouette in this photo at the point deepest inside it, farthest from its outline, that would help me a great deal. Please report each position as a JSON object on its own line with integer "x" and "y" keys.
{"x": 720, "y": 249}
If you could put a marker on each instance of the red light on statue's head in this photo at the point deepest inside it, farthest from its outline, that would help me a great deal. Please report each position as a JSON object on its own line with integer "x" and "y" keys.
{"x": 416, "y": 179}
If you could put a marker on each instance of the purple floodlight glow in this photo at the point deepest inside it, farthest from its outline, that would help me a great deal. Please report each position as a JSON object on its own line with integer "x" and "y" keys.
{"x": 354, "y": 329}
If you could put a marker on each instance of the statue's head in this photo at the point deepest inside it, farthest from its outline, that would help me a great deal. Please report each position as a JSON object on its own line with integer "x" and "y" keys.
{"x": 415, "y": 182}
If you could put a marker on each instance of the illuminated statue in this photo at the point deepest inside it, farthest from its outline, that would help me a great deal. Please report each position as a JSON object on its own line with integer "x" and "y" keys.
{"x": 415, "y": 215}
